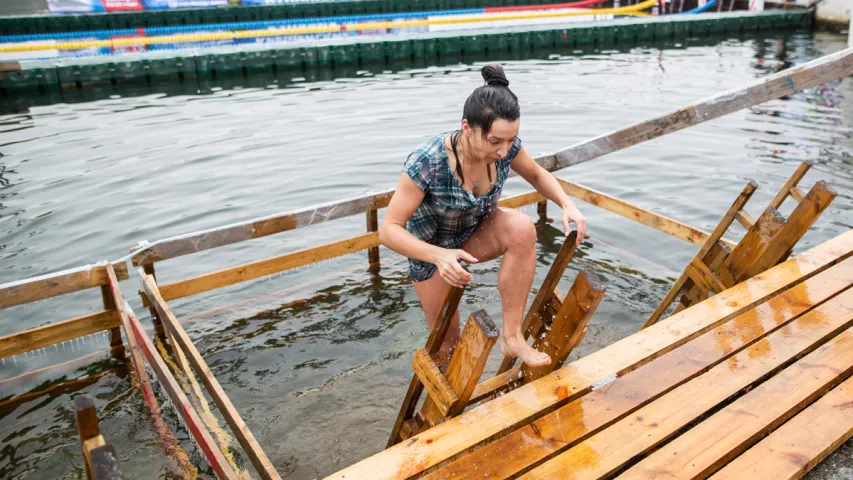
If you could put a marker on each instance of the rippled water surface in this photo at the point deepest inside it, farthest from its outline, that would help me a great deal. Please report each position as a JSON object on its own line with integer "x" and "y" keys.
{"x": 319, "y": 381}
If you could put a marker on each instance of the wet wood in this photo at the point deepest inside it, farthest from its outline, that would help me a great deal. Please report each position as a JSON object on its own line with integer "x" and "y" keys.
{"x": 532, "y": 319}
{"x": 569, "y": 325}
{"x": 799, "y": 221}
{"x": 798, "y": 194}
{"x": 545, "y": 437}
{"x": 786, "y": 82}
{"x": 104, "y": 461}
{"x": 752, "y": 246}
{"x": 433, "y": 344}
{"x": 648, "y": 218}
{"x": 705, "y": 448}
{"x": 800, "y": 444}
{"x": 706, "y": 251}
{"x": 527, "y": 403}
{"x": 56, "y": 284}
{"x": 212, "y": 452}
{"x": 542, "y": 212}
{"x": 639, "y": 433}
{"x": 124, "y": 317}
{"x": 703, "y": 277}
{"x": 496, "y": 385}
{"x": 744, "y": 219}
{"x": 223, "y": 403}
{"x": 793, "y": 181}
{"x": 58, "y": 332}
{"x": 262, "y": 268}
{"x": 98, "y": 458}
{"x": 109, "y": 305}
{"x": 466, "y": 364}
{"x": 434, "y": 381}
{"x": 373, "y": 252}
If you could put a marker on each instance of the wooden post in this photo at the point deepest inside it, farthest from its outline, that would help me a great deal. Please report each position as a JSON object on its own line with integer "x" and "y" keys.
{"x": 542, "y": 210}
{"x": 569, "y": 325}
{"x": 433, "y": 345}
{"x": 532, "y": 320}
{"x": 87, "y": 425}
{"x": 99, "y": 458}
{"x": 373, "y": 252}
{"x": 155, "y": 317}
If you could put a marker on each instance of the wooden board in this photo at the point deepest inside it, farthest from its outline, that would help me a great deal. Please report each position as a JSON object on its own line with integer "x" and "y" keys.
{"x": 56, "y": 284}
{"x": 262, "y": 268}
{"x": 543, "y": 438}
{"x": 792, "y": 182}
{"x": 786, "y": 82}
{"x": 223, "y": 403}
{"x": 708, "y": 446}
{"x": 611, "y": 449}
{"x": 800, "y": 444}
{"x": 58, "y": 332}
{"x": 751, "y": 246}
{"x": 454, "y": 437}
{"x": 437, "y": 387}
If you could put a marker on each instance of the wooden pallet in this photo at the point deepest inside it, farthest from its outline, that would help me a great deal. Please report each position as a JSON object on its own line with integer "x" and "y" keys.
{"x": 769, "y": 240}
{"x": 686, "y": 398}
{"x": 556, "y": 324}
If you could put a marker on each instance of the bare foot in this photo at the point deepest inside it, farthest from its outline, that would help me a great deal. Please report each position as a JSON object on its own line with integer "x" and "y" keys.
{"x": 516, "y": 347}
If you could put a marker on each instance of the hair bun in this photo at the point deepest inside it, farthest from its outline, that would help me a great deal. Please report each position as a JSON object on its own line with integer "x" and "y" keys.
{"x": 494, "y": 75}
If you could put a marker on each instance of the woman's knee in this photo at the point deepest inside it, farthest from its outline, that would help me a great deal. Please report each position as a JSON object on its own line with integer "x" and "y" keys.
{"x": 521, "y": 232}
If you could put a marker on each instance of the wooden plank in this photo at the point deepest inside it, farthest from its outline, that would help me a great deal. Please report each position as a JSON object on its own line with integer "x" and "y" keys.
{"x": 752, "y": 246}
{"x": 658, "y": 421}
{"x": 196, "y": 427}
{"x": 500, "y": 383}
{"x": 58, "y": 332}
{"x": 795, "y": 178}
{"x": 640, "y": 215}
{"x": 786, "y": 82}
{"x": 798, "y": 194}
{"x": 433, "y": 344}
{"x": 262, "y": 268}
{"x": 520, "y": 406}
{"x": 56, "y": 284}
{"x": 531, "y": 444}
{"x": 704, "y": 277}
{"x": 226, "y": 235}
{"x": 568, "y": 325}
{"x": 800, "y": 444}
{"x": 434, "y": 381}
{"x": 223, "y": 403}
{"x": 467, "y": 362}
{"x": 744, "y": 219}
{"x": 87, "y": 426}
{"x": 531, "y": 320}
{"x": 705, "y": 448}
{"x": 712, "y": 242}
{"x": 799, "y": 222}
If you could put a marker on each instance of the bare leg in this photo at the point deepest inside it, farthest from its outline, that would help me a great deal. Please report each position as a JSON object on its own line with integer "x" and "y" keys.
{"x": 431, "y": 294}
{"x": 511, "y": 234}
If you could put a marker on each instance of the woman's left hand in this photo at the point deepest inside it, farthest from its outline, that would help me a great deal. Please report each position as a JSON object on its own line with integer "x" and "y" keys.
{"x": 573, "y": 215}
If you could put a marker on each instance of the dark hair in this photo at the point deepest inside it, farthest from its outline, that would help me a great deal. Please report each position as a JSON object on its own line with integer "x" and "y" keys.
{"x": 487, "y": 103}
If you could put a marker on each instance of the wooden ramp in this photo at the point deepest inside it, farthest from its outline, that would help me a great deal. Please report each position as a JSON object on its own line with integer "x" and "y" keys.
{"x": 751, "y": 383}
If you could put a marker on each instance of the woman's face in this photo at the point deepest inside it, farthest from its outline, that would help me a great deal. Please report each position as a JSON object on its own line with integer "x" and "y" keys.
{"x": 496, "y": 144}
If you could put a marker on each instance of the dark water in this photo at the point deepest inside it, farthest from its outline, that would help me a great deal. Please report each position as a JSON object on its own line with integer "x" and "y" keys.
{"x": 319, "y": 381}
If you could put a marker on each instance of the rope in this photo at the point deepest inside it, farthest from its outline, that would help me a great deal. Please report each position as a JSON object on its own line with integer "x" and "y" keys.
{"x": 123, "y": 42}
{"x": 703, "y": 8}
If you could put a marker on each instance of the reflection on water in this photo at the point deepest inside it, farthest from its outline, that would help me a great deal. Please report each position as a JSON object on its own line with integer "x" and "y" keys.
{"x": 317, "y": 360}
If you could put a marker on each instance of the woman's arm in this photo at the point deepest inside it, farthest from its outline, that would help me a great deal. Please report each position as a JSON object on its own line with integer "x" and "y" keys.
{"x": 393, "y": 234}
{"x": 545, "y": 183}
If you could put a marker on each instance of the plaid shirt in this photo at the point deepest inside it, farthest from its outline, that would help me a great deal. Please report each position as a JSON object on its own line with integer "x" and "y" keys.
{"x": 449, "y": 214}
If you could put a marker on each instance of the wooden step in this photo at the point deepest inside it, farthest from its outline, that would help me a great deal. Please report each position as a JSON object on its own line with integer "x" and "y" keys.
{"x": 705, "y": 448}
{"x": 800, "y": 444}
{"x": 645, "y": 429}
{"x": 531, "y": 444}
{"x": 506, "y": 413}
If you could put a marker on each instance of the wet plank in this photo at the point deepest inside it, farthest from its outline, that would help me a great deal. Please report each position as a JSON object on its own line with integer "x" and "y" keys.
{"x": 504, "y": 414}
{"x": 531, "y": 444}
{"x": 436, "y": 384}
{"x": 58, "y": 332}
{"x": 223, "y": 403}
{"x": 262, "y": 268}
{"x": 792, "y": 182}
{"x": 705, "y": 448}
{"x": 800, "y": 444}
{"x": 532, "y": 319}
{"x": 639, "y": 433}
{"x": 751, "y": 246}
{"x": 56, "y": 284}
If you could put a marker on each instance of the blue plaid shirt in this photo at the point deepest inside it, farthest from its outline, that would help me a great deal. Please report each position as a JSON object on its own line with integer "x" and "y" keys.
{"x": 449, "y": 214}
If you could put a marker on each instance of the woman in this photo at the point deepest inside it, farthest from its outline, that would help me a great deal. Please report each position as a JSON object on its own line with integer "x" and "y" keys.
{"x": 445, "y": 211}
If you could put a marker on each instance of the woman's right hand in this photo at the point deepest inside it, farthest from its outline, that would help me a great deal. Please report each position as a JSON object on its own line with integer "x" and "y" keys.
{"x": 447, "y": 262}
